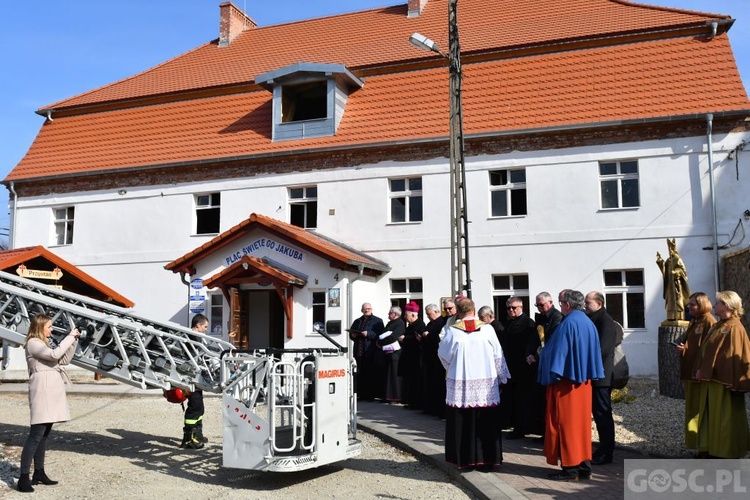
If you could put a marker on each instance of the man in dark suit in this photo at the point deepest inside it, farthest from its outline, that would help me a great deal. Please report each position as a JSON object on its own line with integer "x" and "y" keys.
{"x": 515, "y": 404}
{"x": 547, "y": 318}
{"x": 601, "y": 406}
{"x": 363, "y": 333}
{"x": 433, "y": 373}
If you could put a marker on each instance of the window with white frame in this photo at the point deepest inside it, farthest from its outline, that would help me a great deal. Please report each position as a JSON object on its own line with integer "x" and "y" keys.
{"x": 508, "y": 192}
{"x": 303, "y": 207}
{"x": 318, "y": 308}
{"x": 406, "y": 199}
{"x": 624, "y": 295}
{"x": 404, "y": 290}
{"x": 64, "y": 218}
{"x": 619, "y": 184}
{"x": 505, "y": 286}
{"x": 207, "y": 213}
{"x": 216, "y": 314}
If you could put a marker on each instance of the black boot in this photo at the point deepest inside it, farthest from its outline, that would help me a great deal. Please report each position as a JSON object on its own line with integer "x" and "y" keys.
{"x": 189, "y": 440}
{"x": 40, "y": 477}
{"x": 24, "y": 484}
{"x": 199, "y": 433}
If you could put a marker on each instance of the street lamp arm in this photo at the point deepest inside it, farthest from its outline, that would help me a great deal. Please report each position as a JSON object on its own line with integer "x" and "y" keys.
{"x": 423, "y": 43}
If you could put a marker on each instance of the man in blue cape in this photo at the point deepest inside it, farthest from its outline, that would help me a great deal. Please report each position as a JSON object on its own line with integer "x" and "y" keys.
{"x": 567, "y": 364}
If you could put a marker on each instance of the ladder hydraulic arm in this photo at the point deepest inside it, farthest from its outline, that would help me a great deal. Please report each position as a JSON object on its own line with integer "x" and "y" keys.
{"x": 114, "y": 341}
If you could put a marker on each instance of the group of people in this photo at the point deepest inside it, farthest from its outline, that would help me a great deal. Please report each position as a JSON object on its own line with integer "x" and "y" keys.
{"x": 715, "y": 369}
{"x": 397, "y": 361}
{"x": 545, "y": 376}
{"x": 537, "y": 376}
{"x": 484, "y": 375}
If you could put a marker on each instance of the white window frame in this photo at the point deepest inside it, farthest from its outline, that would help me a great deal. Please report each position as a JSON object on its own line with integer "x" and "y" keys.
{"x": 508, "y": 187}
{"x": 407, "y": 194}
{"x": 512, "y": 290}
{"x": 410, "y": 287}
{"x": 63, "y": 226}
{"x": 619, "y": 177}
{"x": 200, "y": 206}
{"x": 624, "y": 289}
{"x": 307, "y": 202}
{"x": 411, "y": 291}
{"x": 216, "y": 313}
{"x": 322, "y": 294}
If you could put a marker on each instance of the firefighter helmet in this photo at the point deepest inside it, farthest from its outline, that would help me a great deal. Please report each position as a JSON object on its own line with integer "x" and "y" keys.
{"x": 176, "y": 395}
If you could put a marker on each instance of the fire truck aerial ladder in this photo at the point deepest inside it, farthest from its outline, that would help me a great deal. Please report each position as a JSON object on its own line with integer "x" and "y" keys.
{"x": 283, "y": 409}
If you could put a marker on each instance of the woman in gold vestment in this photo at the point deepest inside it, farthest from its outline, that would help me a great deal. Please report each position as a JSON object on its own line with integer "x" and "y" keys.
{"x": 724, "y": 371}
{"x": 701, "y": 322}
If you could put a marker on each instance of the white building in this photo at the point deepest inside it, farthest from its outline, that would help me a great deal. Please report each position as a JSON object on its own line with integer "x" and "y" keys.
{"x": 587, "y": 137}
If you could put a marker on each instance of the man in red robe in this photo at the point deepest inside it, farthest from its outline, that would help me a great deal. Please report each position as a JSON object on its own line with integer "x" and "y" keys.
{"x": 567, "y": 364}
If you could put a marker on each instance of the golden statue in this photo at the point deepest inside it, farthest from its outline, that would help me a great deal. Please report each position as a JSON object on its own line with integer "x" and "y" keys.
{"x": 676, "y": 289}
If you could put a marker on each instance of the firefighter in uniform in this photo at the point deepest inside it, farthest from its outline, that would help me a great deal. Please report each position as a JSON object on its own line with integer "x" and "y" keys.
{"x": 192, "y": 437}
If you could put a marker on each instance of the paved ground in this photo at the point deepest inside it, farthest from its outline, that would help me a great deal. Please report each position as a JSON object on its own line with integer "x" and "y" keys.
{"x": 524, "y": 470}
{"x": 522, "y": 475}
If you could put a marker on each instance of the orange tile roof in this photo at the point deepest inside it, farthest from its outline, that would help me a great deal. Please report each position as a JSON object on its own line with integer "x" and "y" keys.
{"x": 337, "y": 253}
{"x": 663, "y": 77}
{"x": 637, "y": 81}
{"x": 10, "y": 259}
{"x": 379, "y": 36}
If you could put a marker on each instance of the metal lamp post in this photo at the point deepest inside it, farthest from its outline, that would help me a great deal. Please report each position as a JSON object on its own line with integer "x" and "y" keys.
{"x": 460, "y": 275}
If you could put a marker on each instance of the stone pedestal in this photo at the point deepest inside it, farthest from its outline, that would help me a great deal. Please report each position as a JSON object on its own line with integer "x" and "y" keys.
{"x": 670, "y": 384}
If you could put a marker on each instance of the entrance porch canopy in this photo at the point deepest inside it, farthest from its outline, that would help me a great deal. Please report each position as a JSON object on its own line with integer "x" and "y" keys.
{"x": 251, "y": 269}
{"x": 337, "y": 254}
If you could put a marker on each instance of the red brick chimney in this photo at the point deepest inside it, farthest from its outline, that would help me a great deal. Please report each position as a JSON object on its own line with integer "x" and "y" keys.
{"x": 416, "y": 7}
{"x": 232, "y": 22}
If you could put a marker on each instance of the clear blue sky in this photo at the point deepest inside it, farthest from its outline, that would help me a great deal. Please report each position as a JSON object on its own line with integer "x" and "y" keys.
{"x": 54, "y": 49}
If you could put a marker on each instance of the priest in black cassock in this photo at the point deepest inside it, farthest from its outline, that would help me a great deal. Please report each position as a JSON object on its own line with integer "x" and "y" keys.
{"x": 364, "y": 333}
{"x": 519, "y": 332}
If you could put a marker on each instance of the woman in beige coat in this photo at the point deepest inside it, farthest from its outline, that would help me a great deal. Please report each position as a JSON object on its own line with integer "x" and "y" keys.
{"x": 47, "y": 399}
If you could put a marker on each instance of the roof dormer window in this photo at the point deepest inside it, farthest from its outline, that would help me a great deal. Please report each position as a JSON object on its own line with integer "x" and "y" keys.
{"x": 308, "y": 99}
{"x": 305, "y": 101}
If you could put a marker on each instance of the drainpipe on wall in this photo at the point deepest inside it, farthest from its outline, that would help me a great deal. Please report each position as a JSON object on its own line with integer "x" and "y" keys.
{"x": 182, "y": 278}
{"x": 350, "y": 308}
{"x": 12, "y": 229}
{"x": 709, "y": 126}
{"x": 350, "y": 311}
{"x": 11, "y": 246}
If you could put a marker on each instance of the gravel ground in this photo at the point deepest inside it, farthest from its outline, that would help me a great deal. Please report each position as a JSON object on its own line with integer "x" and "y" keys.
{"x": 128, "y": 446}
